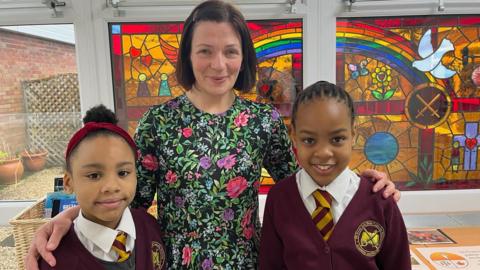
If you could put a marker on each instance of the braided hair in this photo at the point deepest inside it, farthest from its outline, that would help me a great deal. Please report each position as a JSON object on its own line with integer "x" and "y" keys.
{"x": 323, "y": 89}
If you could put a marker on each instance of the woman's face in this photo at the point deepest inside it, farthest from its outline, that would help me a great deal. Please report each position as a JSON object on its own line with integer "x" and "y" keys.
{"x": 216, "y": 57}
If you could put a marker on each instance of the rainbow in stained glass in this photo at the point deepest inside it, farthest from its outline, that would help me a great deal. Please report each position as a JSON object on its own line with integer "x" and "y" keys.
{"x": 144, "y": 59}
{"x": 416, "y": 86}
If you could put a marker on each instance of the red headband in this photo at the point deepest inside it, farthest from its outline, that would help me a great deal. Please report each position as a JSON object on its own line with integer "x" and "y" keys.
{"x": 92, "y": 126}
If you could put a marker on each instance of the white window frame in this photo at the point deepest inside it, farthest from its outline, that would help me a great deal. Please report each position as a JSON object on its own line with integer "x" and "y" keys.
{"x": 91, "y": 18}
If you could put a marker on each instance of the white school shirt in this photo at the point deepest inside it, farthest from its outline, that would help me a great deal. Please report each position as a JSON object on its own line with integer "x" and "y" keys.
{"x": 342, "y": 190}
{"x": 98, "y": 239}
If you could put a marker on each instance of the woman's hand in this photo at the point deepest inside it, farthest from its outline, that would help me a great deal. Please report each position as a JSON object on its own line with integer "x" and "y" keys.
{"x": 47, "y": 238}
{"x": 382, "y": 181}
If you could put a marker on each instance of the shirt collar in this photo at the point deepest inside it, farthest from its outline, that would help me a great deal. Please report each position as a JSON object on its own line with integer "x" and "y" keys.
{"x": 336, "y": 188}
{"x": 102, "y": 236}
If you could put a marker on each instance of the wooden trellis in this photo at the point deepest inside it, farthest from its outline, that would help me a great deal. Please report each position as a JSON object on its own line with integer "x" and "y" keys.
{"x": 52, "y": 106}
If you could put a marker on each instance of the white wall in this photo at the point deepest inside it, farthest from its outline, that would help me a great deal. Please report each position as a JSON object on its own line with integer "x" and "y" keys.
{"x": 90, "y": 18}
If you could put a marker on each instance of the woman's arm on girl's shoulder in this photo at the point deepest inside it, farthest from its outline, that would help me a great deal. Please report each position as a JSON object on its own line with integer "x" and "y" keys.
{"x": 279, "y": 159}
{"x": 382, "y": 181}
{"x": 47, "y": 238}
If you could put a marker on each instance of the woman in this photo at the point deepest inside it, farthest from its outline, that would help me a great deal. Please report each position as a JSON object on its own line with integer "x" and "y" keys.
{"x": 202, "y": 152}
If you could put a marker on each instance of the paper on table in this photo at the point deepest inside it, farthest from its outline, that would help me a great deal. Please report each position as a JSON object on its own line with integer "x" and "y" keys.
{"x": 458, "y": 257}
{"x": 417, "y": 264}
{"x": 428, "y": 236}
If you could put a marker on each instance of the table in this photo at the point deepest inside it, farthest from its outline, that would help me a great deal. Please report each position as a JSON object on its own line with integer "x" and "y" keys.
{"x": 463, "y": 236}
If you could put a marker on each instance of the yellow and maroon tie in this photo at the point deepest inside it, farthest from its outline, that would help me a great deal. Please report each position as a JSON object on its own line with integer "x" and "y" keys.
{"x": 322, "y": 216}
{"x": 119, "y": 247}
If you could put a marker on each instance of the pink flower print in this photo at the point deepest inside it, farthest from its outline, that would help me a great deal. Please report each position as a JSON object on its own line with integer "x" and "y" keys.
{"x": 187, "y": 255}
{"x": 227, "y": 162}
{"x": 248, "y": 232}
{"x": 187, "y": 132}
{"x": 241, "y": 120}
{"x": 171, "y": 177}
{"x": 150, "y": 162}
{"x": 247, "y": 218}
{"x": 236, "y": 186}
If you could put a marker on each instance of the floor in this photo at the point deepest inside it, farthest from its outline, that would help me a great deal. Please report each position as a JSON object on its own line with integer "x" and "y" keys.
{"x": 7, "y": 249}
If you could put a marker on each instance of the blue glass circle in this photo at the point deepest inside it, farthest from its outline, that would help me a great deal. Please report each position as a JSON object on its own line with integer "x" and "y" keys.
{"x": 381, "y": 148}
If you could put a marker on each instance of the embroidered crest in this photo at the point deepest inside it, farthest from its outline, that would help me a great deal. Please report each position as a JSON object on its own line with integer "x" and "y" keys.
{"x": 158, "y": 256}
{"x": 369, "y": 238}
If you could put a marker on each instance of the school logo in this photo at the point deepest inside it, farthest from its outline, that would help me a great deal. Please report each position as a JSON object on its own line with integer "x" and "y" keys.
{"x": 369, "y": 238}
{"x": 158, "y": 256}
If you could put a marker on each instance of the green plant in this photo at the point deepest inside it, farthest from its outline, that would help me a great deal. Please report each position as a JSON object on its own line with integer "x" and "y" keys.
{"x": 3, "y": 155}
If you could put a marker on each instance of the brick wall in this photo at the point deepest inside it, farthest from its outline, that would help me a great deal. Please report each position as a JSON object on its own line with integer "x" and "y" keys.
{"x": 24, "y": 57}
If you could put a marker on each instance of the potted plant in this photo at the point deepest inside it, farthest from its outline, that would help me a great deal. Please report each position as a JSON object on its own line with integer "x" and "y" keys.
{"x": 11, "y": 168}
{"x": 34, "y": 158}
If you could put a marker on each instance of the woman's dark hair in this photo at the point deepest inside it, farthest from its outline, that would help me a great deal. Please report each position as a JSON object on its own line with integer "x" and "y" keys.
{"x": 323, "y": 89}
{"x": 98, "y": 114}
{"x": 217, "y": 11}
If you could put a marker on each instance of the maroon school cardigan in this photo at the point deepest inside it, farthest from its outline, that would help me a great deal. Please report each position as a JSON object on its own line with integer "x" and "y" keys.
{"x": 72, "y": 255}
{"x": 370, "y": 234}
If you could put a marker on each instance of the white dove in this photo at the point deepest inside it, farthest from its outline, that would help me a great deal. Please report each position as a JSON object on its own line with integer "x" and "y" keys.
{"x": 432, "y": 61}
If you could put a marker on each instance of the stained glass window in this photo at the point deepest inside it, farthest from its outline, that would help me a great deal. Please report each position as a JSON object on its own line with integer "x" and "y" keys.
{"x": 144, "y": 58}
{"x": 415, "y": 82}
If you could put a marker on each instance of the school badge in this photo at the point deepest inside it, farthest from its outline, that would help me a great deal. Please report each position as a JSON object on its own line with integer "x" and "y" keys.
{"x": 369, "y": 238}
{"x": 158, "y": 256}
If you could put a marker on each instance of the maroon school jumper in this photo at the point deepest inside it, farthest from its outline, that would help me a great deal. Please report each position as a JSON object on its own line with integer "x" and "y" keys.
{"x": 72, "y": 255}
{"x": 370, "y": 234}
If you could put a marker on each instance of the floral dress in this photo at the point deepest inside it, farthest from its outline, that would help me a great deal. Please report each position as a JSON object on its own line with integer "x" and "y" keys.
{"x": 205, "y": 169}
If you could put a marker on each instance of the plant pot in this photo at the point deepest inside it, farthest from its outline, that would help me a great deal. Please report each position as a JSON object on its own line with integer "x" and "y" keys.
{"x": 34, "y": 161}
{"x": 11, "y": 171}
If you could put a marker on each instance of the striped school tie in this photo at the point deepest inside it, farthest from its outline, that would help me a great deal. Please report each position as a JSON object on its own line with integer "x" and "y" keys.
{"x": 322, "y": 216}
{"x": 119, "y": 247}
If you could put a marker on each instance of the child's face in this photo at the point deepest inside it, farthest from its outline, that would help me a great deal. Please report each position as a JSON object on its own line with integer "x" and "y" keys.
{"x": 323, "y": 135}
{"x": 103, "y": 178}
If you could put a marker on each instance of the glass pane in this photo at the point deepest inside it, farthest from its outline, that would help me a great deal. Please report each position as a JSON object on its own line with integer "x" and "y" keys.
{"x": 40, "y": 107}
{"x": 415, "y": 83}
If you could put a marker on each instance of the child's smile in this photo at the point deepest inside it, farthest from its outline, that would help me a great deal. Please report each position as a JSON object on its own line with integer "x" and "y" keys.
{"x": 323, "y": 137}
{"x": 324, "y": 169}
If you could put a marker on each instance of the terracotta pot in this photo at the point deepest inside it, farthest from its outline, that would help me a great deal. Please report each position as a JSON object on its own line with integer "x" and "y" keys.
{"x": 34, "y": 161}
{"x": 11, "y": 171}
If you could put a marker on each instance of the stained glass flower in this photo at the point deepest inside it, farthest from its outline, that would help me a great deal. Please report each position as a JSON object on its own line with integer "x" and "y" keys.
{"x": 382, "y": 76}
